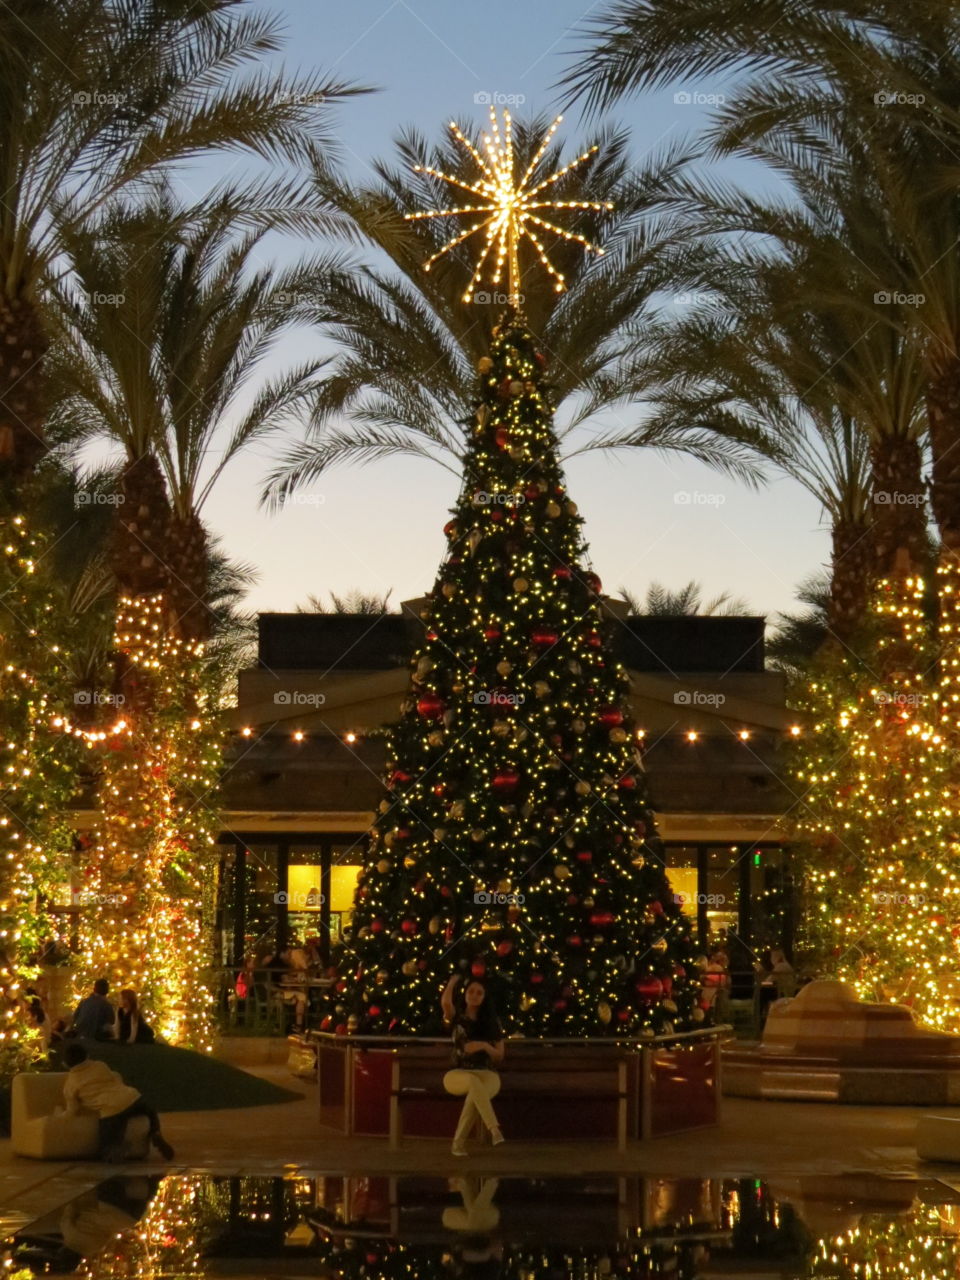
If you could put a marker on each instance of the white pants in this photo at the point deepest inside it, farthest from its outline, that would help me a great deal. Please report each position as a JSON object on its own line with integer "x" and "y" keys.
{"x": 480, "y": 1087}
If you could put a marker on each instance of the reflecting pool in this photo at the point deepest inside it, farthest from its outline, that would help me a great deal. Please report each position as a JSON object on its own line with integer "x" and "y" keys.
{"x": 428, "y": 1228}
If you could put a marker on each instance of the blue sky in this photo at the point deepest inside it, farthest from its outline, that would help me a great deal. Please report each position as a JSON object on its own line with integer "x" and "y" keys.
{"x": 380, "y": 527}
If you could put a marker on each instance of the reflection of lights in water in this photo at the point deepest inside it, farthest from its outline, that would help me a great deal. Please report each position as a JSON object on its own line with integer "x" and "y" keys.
{"x": 674, "y": 1230}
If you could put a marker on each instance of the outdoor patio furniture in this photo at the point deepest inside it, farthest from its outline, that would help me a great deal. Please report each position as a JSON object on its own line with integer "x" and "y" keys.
{"x": 938, "y": 1138}
{"x": 43, "y": 1130}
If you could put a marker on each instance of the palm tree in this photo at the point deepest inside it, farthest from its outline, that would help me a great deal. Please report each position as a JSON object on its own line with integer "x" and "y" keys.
{"x": 355, "y": 601}
{"x": 844, "y": 401}
{"x": 405, "y": 375}
{"x": 169, "y": 365}
{"x": 799, "y": 637}
{"x": 864, "y": 99}
{"x": 685, "y": 601}
{"x": 95, "y": 96}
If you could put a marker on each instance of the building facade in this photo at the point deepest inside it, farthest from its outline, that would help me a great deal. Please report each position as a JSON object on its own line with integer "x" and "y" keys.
{"x": 307, "y": 756}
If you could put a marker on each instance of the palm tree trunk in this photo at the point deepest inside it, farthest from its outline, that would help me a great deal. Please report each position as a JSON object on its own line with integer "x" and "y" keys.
{"x": 23, "y": 345}
{"x": 139, "y": 551}
{"x": 899, "y": 506}
{"x": 188, "y": 577}
{"x": 852, "y": 562}
{"x": 943, "y": 416}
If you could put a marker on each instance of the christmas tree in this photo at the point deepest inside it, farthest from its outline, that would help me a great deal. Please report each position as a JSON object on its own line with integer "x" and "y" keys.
{"x": 516, "y": 838}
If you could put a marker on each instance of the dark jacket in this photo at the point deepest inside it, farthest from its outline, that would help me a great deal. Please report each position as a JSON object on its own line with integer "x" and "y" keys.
{"x": 94, "y": 1017}
{"x": 144, "y": 1032}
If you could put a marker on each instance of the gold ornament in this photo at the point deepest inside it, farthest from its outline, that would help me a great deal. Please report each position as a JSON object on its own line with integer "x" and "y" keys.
{"x": 553, "y": 510}
{"x": 583, "y": 788}
{"x": 435, "y": 739}
{"x": 520, "y": 585}
{"x": 484, "y": 365}
{"x": 449, "y": 590}
{"x": 384, "y": 865}
{"x": 478, "y": 834}
{"x": 618, "y": 735}
{"x": 504, "y": 668}
{"x": 409, "y": 861}
{"x": 409, "y": 968}
{"x": 562, "y": 871}
{"x": 604, "y": 1012}
{"x": 435, "y": 925}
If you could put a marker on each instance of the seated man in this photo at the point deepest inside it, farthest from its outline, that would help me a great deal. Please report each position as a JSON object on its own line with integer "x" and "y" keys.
{"x": 95, "y": 1014}
{"x": 94, "y": 1087}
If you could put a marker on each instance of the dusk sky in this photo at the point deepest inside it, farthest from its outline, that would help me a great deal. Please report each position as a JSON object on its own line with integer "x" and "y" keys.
{"x": 379, "y": 527}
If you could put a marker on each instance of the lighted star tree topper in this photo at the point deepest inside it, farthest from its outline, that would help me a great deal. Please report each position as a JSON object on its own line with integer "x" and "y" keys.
{"x": 509, "y": 209}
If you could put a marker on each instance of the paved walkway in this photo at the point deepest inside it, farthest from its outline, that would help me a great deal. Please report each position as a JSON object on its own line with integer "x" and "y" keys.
{"x": 771, "y": 1140}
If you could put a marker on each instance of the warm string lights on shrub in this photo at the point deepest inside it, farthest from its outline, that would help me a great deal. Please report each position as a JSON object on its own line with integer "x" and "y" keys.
{"x": 147, "y": 889}
{"x": 516, "y": 837}
{"x": 167, "y": 1241}
{"x": 39, "y": 763}
{"x": 882, "y": 865}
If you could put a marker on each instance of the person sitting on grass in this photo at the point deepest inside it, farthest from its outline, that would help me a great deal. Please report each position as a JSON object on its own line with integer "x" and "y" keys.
{"x": 132, "y": 1027}
{"x": 95, "y": 1014}
{"x": 92, "y": 1086}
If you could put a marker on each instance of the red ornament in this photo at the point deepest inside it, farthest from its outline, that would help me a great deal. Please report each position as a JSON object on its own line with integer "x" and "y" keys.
{"x": 585, "y": 855}
{"x": 451, "y": 528}
{"x": 531, "y": 494}
{"x": 505, "y": 780}
{"x": 668, "y": 984}
{"x": 656, "y": 907}
{"x": 623, "y": 1015}
{"x": 563, "y": 573}
{"x": 536, "y": 978}
{"x": 628, "y": 782}
{"x": 560, "y": 1005}
{"x": 611, "y": 717}
{"x": 504, "y": 948}
{"x": 326, "y": 1023}
{"x": 594, "y": 639}
{"x": 376, "y": 926}
{"x": 601, "y": 919}
{"x": 503, "y": 390}
{"x": 649, "y": 989}
{"x": 572, "y": 899}
{"x": 341, "y": 1029}
{"x": 399, "y": 776}
{"x": 501, "y": 437}
{"x": 574, "y": 940}
{"x": 374, "y": 1011}
{"x": 430, "y": 706}
{"x": 543, "y": 638}
{"x": 478, "y": 968}
{"x": 409, "y": 926}
{"x": 492, "y": 633}
{"x": 593, "y": 583}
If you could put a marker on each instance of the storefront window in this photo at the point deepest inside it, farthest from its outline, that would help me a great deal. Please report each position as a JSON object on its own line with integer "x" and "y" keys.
{"x": 305, "y": 897}
{"x": 344, "y": 869}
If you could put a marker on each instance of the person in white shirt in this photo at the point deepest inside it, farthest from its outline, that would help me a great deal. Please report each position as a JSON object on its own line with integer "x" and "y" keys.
{"x": 91, "y": 1086}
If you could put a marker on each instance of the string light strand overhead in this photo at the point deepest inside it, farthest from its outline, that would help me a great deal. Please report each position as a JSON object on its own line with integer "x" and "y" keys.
{"x": 507, "y": 208}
